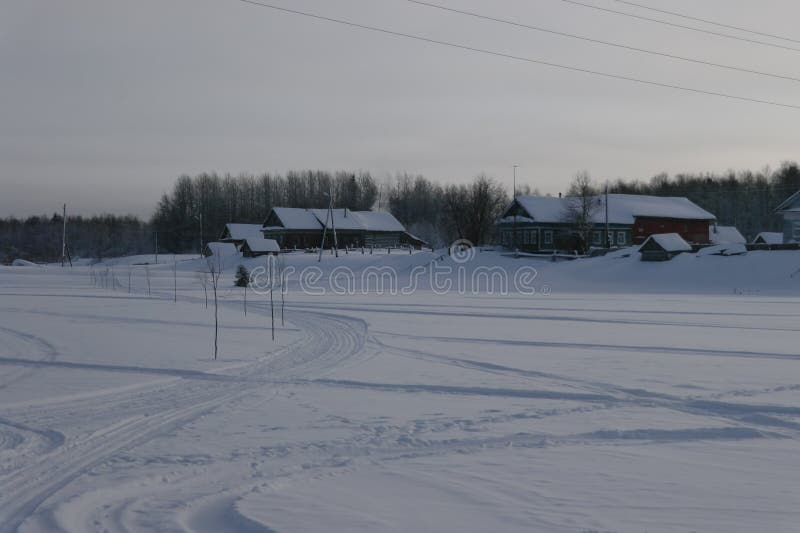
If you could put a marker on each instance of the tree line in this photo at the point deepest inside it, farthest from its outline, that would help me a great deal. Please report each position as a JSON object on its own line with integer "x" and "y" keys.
{"x": 38, "y": 238}
{"x": 438, "y": 214}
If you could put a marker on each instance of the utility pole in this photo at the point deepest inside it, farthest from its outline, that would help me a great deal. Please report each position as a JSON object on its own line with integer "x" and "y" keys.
{"x": 324, "y": 233}
{"x": 64, "y": 237}
{"x": 514, "y": 201}
{"x": 608, "y": 233}
{"x": 201, "y": 231}
{"x": 156, "y": 234}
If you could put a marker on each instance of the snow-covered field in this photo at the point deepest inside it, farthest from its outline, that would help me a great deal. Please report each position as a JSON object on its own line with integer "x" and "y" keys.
{"x": 620, "y": 396}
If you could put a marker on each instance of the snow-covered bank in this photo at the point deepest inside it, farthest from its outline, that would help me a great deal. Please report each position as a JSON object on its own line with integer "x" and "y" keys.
{"x": 631, "y": 397}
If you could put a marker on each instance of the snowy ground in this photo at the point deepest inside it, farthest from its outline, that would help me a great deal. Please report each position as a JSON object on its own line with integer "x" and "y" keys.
{"x": 621, "y": 396}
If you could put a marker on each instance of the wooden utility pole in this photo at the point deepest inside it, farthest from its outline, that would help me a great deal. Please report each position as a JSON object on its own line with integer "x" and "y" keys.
{"x": 608, "y": 233}
{"x": 64, "y": 238}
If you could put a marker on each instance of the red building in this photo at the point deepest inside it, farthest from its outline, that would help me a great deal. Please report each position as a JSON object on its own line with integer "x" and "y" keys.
{"x": 691, "y": 230}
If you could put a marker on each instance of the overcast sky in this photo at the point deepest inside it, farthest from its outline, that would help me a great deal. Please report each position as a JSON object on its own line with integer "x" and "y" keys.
{"x": 105, "y": 102}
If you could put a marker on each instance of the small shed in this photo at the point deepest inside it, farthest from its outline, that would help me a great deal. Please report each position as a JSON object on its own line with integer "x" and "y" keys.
{"x": 663, "y": 247}
{"x": 769, "y": 237}
{"x": 220, "y": 249}
{"x": 725, "y": 235}
{"x": 238, "y": 233}
{"x": 256, "y": 247}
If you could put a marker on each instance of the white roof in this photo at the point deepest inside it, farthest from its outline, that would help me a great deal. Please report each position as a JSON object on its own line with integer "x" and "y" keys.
{"x": 262, "y": 245}
{"x": 344, "y": 219}
{"x": 297, "y": 218}
{"x": 240, "y": 232}
{"x": 770, "y": 237}
{"x": 670, "y": 242}
{"x": 791, "y": 204}
{"x": 222, "y": 248}
{"x": 725, "y": 235}
{"x": 622, "y": 208}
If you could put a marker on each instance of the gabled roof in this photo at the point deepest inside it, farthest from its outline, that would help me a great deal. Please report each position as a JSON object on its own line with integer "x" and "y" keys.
{"x": 669, "y": 242}
{"x": 725, "y": 235}
{"x": 297, "y": 218}
{"x": 221, "y": 248}
{"x": 791, "y": 204}
{"x": 622, "y": 208}
{"x": 240, "y": 232}
{"x": 261, "y": 245}
{"x": 770, "y": 237}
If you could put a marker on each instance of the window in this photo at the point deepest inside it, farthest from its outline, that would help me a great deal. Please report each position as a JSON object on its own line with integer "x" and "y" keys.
{"x": 796, "y": 231}
{"x": 534, "y": 236}
{"x": 597, "y": 238}
{"x": 548, "y": 237}
{"x": 526, "y": 237}
{"x": 621, "y": 238}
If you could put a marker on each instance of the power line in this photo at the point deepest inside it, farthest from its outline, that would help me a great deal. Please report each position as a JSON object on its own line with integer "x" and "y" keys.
{"x": 707, "y": 21}
{"x": 520, "y": 58}
{"x": 675, "y": 25}
{"x": 605, "y": 43}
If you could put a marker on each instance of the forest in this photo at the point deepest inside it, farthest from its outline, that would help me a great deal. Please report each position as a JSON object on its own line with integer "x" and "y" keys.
{"x": 199, "y": 206}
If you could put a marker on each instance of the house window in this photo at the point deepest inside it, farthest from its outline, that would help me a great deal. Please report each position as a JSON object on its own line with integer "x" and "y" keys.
{"x": 526, "y": 237}
{"x": 796, "y": 231}
{"x": 596, "y": 238}
{"x": 534, "y": 236}
{"x": 548, "y": 237}
{"x": 621, "y": 238}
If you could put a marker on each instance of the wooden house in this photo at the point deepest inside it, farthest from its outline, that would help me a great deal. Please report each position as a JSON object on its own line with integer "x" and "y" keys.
{"x": 303, "y": 228}
{"x": 663, "y": 247}
{"x": 790, "y": 211}
{"x": 543, "y": 223}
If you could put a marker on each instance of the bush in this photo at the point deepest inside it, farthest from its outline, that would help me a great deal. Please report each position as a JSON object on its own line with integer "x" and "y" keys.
{"x": 242, "y": 276}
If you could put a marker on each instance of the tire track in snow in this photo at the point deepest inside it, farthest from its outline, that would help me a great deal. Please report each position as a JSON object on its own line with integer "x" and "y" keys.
{"x": 329, "y": 341}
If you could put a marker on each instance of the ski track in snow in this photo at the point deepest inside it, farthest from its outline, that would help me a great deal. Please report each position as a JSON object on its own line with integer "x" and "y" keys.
{"x": 36, "y": 462}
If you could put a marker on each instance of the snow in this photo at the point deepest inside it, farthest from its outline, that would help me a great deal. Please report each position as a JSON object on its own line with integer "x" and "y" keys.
{"x": 622, "y": 208}
{"x": 219, "y": 249}
{"x": 622, "y": 396}
{"x": 725, "y": 235}
{"x": 769, "y": 237}
{"x": 23, "y": 263}
{"x": 240, "y": 232}
{"x": 669, "y": 242}
{"x": 343, "y": 219}
{"x": 263, "y": 245}
{"x": 790, "y": 205}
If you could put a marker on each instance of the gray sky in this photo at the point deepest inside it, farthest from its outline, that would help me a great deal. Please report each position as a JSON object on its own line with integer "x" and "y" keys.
{"x": 104, "y": 102}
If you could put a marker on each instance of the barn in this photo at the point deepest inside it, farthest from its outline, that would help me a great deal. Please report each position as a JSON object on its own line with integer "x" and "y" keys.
{"x": 541, "y": 223}
{"x": 663, "y": 247}
{"x": 302, "y": 228}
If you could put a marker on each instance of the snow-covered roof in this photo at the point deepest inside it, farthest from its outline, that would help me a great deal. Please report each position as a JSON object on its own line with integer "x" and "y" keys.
{"x": 262, "y": 245}
{"x": 343, "y": 219}
{"x": 669, "y": 242}
{"x": 222, "y": 248}
{"x": 725, "y": 235}
{"x": 791, "y": 204}
{"x": 510, "y": 220}
{"x": 297, "y": 218}
{"x": 240, "y": 232}
{"x": 770, "y": 237}
{"x": 622, "y": 208}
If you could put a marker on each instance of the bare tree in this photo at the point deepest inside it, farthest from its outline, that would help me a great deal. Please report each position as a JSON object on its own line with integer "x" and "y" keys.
{"x": 215, "y": 271}
{"x": 581, "y": 206}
